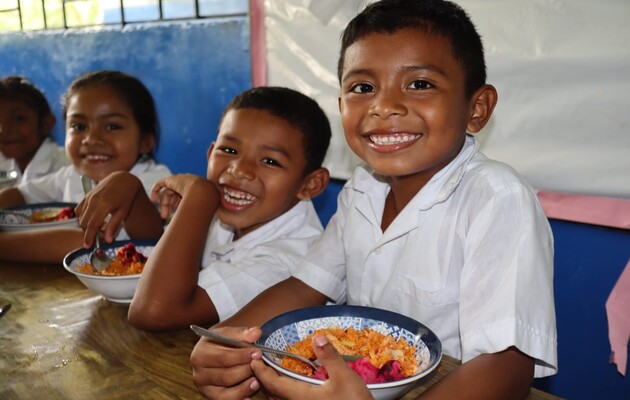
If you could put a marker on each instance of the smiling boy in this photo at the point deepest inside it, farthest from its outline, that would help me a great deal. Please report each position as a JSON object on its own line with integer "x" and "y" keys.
{"x": 448, "y": 237}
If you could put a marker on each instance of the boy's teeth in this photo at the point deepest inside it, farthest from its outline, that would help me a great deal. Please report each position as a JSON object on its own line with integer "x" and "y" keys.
{"x": 238, "y": 197}
{"x": 96, "y": 157}
{"x": 392, "y": 139}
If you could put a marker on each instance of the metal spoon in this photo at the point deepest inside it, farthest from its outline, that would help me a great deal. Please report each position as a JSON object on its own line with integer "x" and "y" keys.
{"x": 4, "y": 309}
{"x": 98, "y": 258}
{"x": 239, "y": 343}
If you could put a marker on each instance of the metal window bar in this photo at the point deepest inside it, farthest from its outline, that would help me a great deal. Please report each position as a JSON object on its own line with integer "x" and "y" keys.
{"x": 123, "y": 20}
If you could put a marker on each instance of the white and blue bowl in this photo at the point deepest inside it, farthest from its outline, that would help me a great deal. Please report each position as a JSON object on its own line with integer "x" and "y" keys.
{"x": 17, "y": 218}
{"x": 291, "y": 327}
{"x": 117, "y": 289}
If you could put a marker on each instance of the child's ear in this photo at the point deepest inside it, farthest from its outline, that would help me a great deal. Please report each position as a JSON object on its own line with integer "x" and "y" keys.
{"x": 314, "y": 184}
{"x": 482, "y": 104}
{"x": 146, "y": 143}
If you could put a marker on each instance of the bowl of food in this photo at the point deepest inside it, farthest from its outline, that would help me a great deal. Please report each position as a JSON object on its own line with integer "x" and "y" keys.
{"x": 398, "y": 351}
{"x": 118, "y": 282}
{"x": 38, "y": 216}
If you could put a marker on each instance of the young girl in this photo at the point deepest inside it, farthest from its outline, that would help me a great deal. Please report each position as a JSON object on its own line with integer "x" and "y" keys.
{"x": 25, "y": 125}
{"x": 111, "y": 127}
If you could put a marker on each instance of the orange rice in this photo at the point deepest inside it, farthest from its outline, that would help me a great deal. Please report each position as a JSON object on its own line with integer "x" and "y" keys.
{"x": 128, "y": 261}
{"x": 48, "y": 215}
{"x": 115, "y": 268}
{"x": 377, "y": 347}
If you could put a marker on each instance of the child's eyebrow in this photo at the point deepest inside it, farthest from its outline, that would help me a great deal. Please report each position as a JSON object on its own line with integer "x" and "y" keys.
{"x": 104, "y": 116}
{"x": 403, "y": 69}
{"x": 277, "y": 149}
{"x": 115, "y": 115}
{"x": 422, "y": 67}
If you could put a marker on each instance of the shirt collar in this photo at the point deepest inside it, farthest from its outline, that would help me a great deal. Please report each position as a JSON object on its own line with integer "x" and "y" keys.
{"x": 272, "y": 230}
{"x": 437, "y": 190}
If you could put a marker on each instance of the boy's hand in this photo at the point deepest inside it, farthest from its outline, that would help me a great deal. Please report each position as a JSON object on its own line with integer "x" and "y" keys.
{"x": 169, "y": 191}
{"x": 113, "y": 196}
{"x": 224, "y": 373}
{"x": 343, "y": 382}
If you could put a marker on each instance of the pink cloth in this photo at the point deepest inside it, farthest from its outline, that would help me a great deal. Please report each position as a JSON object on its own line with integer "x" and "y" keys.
{"x": 618, "y": 312}
{"x": 604, "y": 211}
{"x": 258, "y": 43}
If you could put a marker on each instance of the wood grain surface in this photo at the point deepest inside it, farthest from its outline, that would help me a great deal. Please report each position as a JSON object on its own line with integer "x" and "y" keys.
{"x": 62, "y": 341}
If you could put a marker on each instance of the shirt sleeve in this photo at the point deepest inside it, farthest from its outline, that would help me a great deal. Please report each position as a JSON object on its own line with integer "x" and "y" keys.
{"x": 47, "y": 188}
{"x": 324, "y": 267}
{"x": 506, "y": 287}
{"x": 231, "y": 285}
{"x": 151, "y": 175}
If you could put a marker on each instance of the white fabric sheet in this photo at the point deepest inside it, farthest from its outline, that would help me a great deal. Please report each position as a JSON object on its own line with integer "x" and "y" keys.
{"x": 562, "y": 68}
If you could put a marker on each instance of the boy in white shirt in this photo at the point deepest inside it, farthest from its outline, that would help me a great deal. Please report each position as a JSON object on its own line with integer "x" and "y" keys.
{"x": 447, "y": 237}
{"x": 246, "y": 226}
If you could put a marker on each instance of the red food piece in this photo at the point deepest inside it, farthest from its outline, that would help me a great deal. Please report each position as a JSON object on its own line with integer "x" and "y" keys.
{"x": 391, "y": 371}
{"x": 65, "y": 213}
{"x": 128, "y": 254}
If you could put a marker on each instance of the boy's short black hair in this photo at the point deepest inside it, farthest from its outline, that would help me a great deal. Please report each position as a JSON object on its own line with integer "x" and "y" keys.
{"x": 299, "y": 110}
{"x": 439, "y": 17}
{"x": 20, "y": 89}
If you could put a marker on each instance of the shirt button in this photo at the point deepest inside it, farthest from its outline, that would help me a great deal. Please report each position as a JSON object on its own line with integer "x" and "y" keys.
{"x": 378, "y": 251}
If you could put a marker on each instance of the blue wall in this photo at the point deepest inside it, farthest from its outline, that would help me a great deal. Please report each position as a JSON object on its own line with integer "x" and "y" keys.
{"x": 588, "y": 261}
{"x": 192, "y": 69}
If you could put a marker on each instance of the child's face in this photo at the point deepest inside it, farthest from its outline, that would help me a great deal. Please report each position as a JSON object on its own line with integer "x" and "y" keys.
{"x": 20, "y": 134}
{"x": 102, "y": 135}
{"x": 258, "y": 164}
{"x": 403, "y": 107}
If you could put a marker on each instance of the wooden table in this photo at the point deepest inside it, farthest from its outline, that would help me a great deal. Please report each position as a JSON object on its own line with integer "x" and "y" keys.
{"x": 62, "y": 341}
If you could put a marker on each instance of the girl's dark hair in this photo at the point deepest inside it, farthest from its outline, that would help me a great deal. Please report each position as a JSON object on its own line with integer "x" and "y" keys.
{"x": 20, "y": 89}
{"x": 299, "y": 110}
{"x": 131, "y": 90}
{"x": 437, "y": 17}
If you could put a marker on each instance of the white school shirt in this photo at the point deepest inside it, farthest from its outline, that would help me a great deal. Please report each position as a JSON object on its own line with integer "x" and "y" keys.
{"x": 65, "y": 185}
{"x": 470, "y": 257}
{"x": 50, "y": 157}
{"x": 234, "y": 272}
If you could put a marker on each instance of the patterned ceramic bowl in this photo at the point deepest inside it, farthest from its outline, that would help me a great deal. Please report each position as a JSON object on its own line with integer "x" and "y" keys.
{"x": 286, "y": 329}
{"x": 23, "y": 218}
{"x": 117, "y": 289}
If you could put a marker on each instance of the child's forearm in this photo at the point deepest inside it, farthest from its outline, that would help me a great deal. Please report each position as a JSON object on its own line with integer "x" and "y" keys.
{"x": 168, "y": 296}
{"x": 11, "y": 197}
{"x": 144, "y": 220}
{"x": 505, "y": 375}
{"x": 40, "y": 246}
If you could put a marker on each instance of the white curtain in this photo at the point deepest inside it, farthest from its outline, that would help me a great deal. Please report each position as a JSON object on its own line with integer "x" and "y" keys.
{"x": 561, "y": 67}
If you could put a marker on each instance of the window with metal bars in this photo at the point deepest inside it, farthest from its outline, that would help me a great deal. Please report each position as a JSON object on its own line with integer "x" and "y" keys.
{"x": 27, "y": 15}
